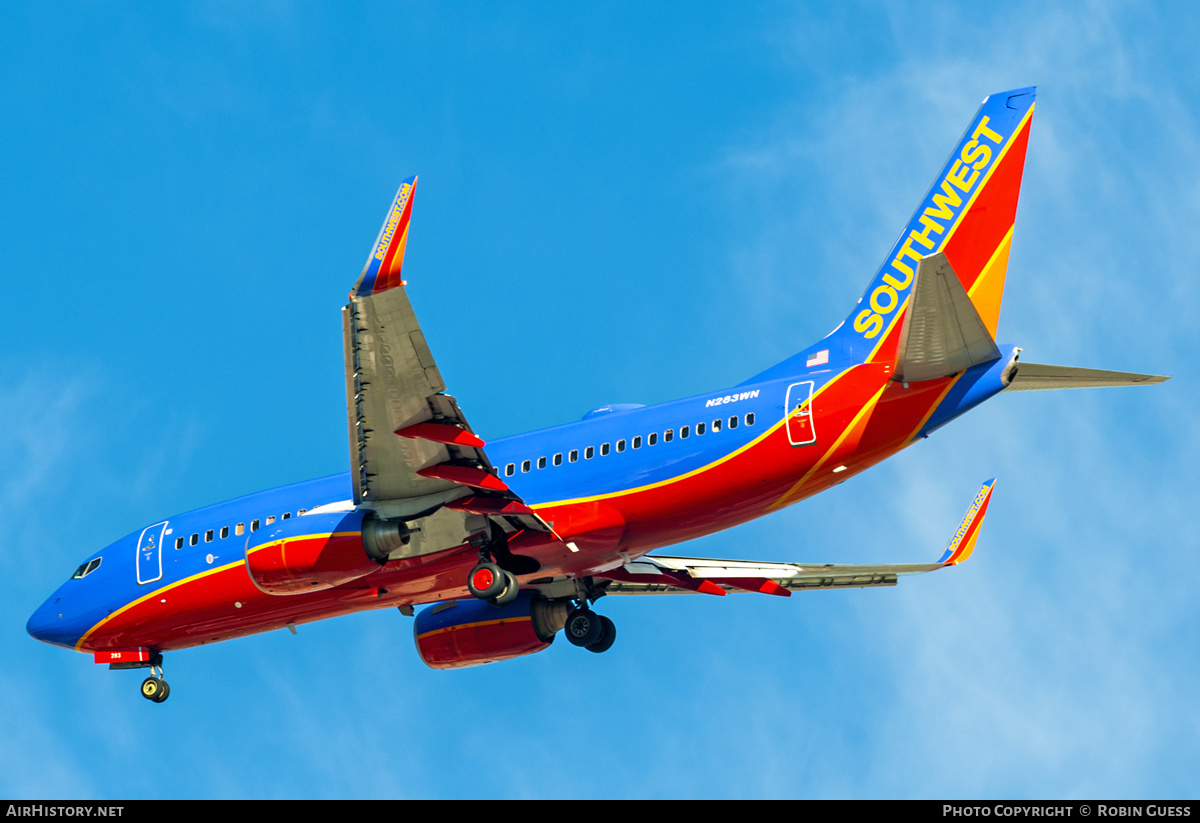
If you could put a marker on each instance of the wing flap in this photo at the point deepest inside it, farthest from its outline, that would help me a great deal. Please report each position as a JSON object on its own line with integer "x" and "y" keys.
{"x": 681, "y": 575}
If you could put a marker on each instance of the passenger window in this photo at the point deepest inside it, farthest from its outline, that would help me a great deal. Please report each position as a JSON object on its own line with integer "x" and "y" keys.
{"x": 717, "y": 425}
{"x": 749, "y": 418}
{"x": 651, "y": 438}
{"x": 699, "y": 428}
{"x": 195, "y": 538}
{"x": 603, "y": 449}
{"x": 510, "y": 469}
{"x": 684, "y": 431}
{"x": 286, "y": 515}
{"x": 589, "y": 452}
{"x": 253, "y": 526}
{"x": 541, "y": 462}
{"x": 573, "y": 456}
{"x": 208, "y": 535}
{"x": 558, "y": 459}
{"x": 224, "y": 532}
{"x": 733, "y": 422}
{"x": 178, "y": 543}
{"x": 620, "y": 445}
{"x": 301, "y": 512}
{"x": 270, "y": 520}
{"x": 239, "y": 529}
{"x": 637, "y": 442}
{"x": 525, "y": 465}
{"x": 669, "y": 435}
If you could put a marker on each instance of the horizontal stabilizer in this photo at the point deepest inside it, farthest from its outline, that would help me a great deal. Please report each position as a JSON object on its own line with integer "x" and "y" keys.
{"x": 943, "y": 334}
{"x": 1036, "y": 376}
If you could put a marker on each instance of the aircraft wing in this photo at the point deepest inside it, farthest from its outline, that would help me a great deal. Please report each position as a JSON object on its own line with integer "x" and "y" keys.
{"x": 413, "y": 455}
{"x": 683, "y": 575}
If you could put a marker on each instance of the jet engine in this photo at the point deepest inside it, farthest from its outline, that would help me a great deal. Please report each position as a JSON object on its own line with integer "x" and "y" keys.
{"x": 319, "y": 551}
{"x": 460, "y": 633}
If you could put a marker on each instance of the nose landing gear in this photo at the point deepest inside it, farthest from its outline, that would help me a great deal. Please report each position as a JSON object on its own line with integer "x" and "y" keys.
{"x": 154, "y": 687}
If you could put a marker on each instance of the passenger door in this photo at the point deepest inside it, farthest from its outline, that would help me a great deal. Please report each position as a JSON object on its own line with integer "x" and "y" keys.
{"x": 149, "y": 553}
{"x": 800, "y": 429}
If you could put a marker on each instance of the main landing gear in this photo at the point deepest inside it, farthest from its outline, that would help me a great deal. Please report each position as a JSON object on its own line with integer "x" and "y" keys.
{"x": 493, "y": 584}
{"x": 489, "y": 582}
{"x": 592, "y": 631}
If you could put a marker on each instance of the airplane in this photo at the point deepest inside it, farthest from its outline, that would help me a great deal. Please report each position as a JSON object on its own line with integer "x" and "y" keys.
{"x": 504, "y": 544}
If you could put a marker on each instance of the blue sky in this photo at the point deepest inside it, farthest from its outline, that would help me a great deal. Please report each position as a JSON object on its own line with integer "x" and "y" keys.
{"x": 616, "y": 204}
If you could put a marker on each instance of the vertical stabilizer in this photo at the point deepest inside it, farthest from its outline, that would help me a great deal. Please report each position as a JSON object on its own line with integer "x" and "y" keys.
{"x": 967, "y": 215}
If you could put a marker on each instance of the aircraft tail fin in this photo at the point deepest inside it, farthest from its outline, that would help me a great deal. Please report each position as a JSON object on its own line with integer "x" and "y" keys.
{"x": 966, "y": 219}
{"x": 382, "y": 271}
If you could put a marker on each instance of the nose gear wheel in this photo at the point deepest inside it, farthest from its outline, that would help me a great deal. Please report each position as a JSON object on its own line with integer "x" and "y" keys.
{"x": 154, "y": 688}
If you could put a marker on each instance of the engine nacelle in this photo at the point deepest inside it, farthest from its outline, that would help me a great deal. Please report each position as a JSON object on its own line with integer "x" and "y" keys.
{"x": 309, "y": 553}
{"x": 461, "y": 633}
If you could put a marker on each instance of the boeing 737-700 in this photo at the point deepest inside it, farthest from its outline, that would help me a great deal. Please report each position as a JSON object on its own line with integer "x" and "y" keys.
{"x": 503, "y": 544}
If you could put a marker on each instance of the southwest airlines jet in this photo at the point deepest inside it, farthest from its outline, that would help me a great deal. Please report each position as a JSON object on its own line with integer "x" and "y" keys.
{"x": 505, "y": 543}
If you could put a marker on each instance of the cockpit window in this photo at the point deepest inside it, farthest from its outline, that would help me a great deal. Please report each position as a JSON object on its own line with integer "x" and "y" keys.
{"x": 86, "y": 569}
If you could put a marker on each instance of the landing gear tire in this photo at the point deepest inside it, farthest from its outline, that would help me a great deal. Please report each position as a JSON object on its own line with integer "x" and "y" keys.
{"x": 510, "y": 592}
{"x": 497, "y": 586}
{"x": 156, "y": 689}
{"x": 583, "y": 628}
{"x": 607, "y": 637}
{"x": 487, "y": 581}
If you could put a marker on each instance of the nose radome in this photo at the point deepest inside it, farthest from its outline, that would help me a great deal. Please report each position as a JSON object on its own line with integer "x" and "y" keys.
{"x": 49, "y": 626}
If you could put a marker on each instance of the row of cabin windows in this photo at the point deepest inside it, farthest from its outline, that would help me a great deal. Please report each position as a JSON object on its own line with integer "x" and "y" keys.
{"x": 651, "y": 439}
{"x": 239, "y": 530}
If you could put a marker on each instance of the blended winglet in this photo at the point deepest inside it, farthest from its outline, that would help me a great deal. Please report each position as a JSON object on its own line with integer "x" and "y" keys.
{"x": 382, "y": 271}
{"x": 963, "y": 544}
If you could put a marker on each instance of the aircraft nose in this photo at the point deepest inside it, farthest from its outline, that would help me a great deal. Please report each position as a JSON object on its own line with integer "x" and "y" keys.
{"x": 49, "y": 625}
